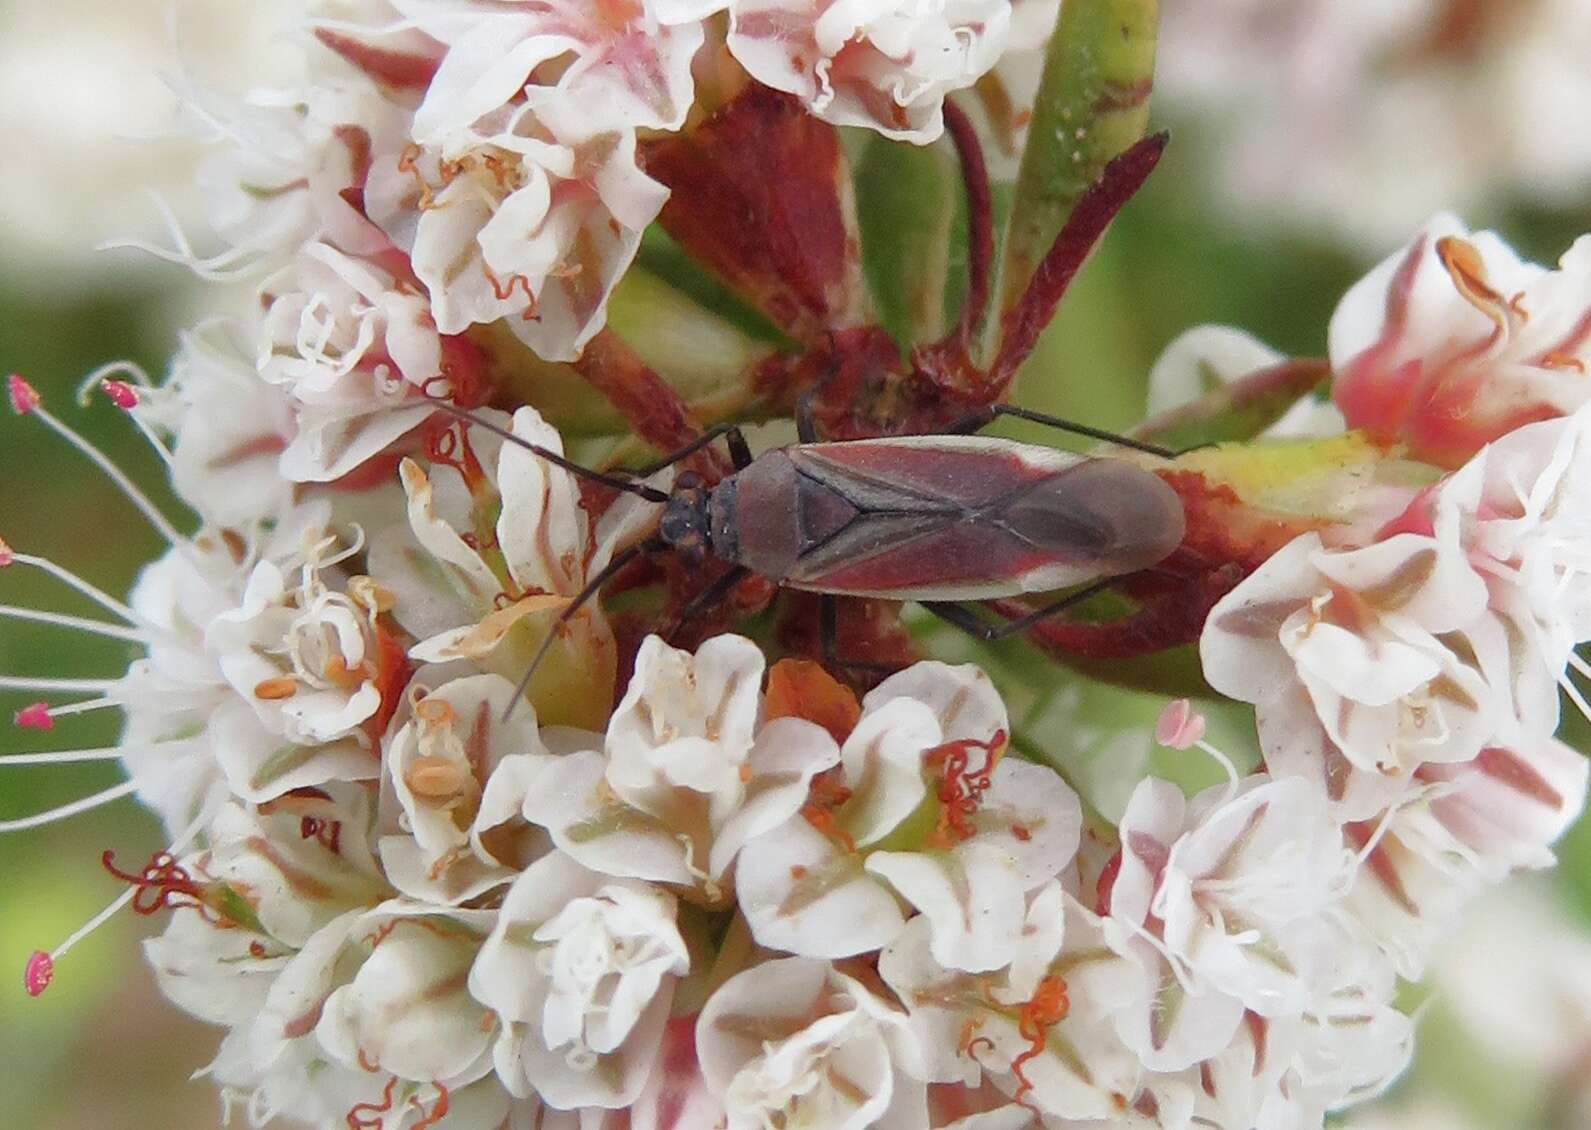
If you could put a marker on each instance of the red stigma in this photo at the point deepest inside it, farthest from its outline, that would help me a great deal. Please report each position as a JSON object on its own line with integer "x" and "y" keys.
{"x": 368, "y": 1116}
{"x": 121, "y": 394}
{"x": 24, "y": 398}
{"x": 1044, "y": 1011}
{"x": 960, "y": 788}
{"x": 39, "y": 973}
{"x": 35, "y": 717}
{"x": 161, "y": 882}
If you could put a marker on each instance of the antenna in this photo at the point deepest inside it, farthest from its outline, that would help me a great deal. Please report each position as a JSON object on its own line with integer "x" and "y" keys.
{"x": 614, "y": 482}
{"x": 593, "y": 586}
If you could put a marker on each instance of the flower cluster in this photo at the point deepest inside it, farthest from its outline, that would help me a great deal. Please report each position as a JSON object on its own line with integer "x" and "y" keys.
{"x": 1397, "y": 109}
{"x": 459, "y": 839}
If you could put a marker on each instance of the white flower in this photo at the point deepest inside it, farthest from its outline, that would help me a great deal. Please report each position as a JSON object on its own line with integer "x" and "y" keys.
{"x": 1227, "y": 901}
{"x": 819, "y": 885}
{"x": 406, "y": 1010}
{"x": 1396, "y": 654}
{"x": 1039, "y": 1028}
{"x": 1352, "y": 88}
{"x": 885, "y": 64}
{"x": 303, "y": 653}
{"x": 528, "y": 220}
{"x": 1468, "y": 829}
{"x": 794, "y": 1042}
{"x": 1521, "y": 508}
{"x": 628, "y": 62}
{"x": 1454, "y": 341}
{"x": 488, "y": 595}
{"x": 356, "y": 350}
{"x": 582, "y": 967}
{"x": 230, "y": 428}
{"x": 685, "y": 781}
{"x": 457, "y": 774}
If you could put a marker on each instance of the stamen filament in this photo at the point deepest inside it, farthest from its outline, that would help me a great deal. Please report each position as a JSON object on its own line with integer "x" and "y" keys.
{"x": 76, "y": 623}
{"x": 67, "y": 756}
{"x": 39, "y": 820}
{"x": 67, "y": 686}
{"x": 41, "y": 967}
{"x": 114, "y": 473}
{"x": 72, "y": 580}
{"x": 84, "y": 707}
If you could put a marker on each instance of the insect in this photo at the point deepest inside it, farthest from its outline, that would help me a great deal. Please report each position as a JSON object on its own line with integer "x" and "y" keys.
{"x": 937, "y": 519}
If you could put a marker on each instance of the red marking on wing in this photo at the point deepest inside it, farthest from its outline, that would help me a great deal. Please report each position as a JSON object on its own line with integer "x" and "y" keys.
{"x": 962, "y": 554}
{"x": 960, "y": 477}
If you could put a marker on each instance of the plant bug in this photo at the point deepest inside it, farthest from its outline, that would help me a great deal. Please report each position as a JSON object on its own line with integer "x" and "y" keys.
{"x": 936, "y": 519}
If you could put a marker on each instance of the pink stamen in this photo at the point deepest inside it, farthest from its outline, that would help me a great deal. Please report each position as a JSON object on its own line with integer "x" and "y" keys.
{"x": 39, "y": 973}
{"x": 35, "y": 717}
{"x": 1179, "y": 726}
{"x": 6, "y": 555}
{"x": 121, "y": 394}
{"x": 24, "y": 398}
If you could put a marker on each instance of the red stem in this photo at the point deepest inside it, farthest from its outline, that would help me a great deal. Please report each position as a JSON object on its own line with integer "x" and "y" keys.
{"x": 1095, "y": 208}
{"x": 980, "y": 219}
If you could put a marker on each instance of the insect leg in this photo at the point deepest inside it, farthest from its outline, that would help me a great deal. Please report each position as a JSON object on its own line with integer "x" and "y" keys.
{"x": 806, "y": 425}
{"x": 707, "y": 597}
{"x": 975, "y": 420}
{"x": 829, "y": 636}
{"x": 960, "y": 616}
{"x": 739, "y": 449}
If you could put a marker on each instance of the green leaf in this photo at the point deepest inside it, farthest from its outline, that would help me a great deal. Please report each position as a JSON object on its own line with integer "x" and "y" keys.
{"x": 1093, "y": 103}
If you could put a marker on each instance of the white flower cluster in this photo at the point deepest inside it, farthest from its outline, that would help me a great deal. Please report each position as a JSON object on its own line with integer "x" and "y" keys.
{"x": 1397, "y": 108}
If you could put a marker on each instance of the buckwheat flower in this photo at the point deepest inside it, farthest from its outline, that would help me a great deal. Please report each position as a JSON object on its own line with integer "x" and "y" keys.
{"x": 529, "y": 218}
{"x": 1398, "y": 660}
{"x": 884, "y": 64}
{"x": 686, "y": 775}
{"x": 458, "y": 772}
{"x": 824, "y": 884}
{"x": 1467, "y": 828}
{"x": 283, "y": 165}
{"x": 1225, "y": 899}
{"x": 527, "y": 548}
{"x": 582, "y": 967}
{"x": 227, "y": 427}
{"x": 405, "y": 1011}
{"x": 1454, "y": 341}
{"x": 1520, "y": 508}
{"x": 1039, "y": 1030}
{"x": 302, "y": 650}
{"x": 624, "y": 64}
{"x": 795, "y": 1042}
{"x": 357, "y": 351}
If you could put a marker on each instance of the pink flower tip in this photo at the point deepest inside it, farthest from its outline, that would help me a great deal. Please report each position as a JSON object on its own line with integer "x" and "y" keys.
{"x": 121, "y": 394}
{"x": 35, "y": 717}
{"x": 1179, "y": 726}
{"x": 24, "y": 397}
{"x": 39, "y": 973}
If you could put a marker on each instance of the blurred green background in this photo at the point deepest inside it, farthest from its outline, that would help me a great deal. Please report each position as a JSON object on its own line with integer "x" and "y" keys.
{"x": 101, "y": 1050}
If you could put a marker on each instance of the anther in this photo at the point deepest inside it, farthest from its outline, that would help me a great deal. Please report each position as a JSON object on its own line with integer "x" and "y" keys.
{"x": 39, "y": 973}
{"x": 24, "y": 397}
{"x": 34, "y": 717}
{"x": 1179, "y": 726}
{"x": 121, "y": 394}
